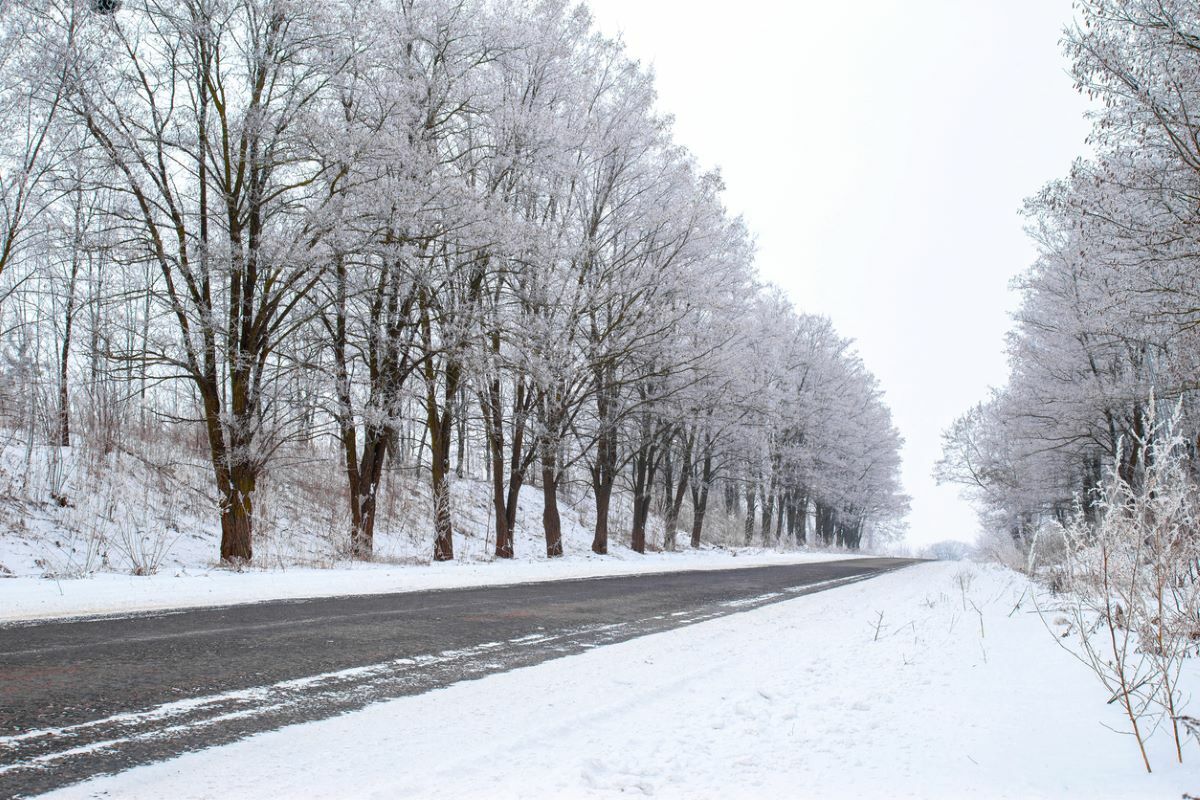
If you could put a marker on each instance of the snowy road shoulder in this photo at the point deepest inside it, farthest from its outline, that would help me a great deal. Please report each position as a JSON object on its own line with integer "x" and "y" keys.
{"x": 28, "y": 598}
{"x": 818, "y": 696}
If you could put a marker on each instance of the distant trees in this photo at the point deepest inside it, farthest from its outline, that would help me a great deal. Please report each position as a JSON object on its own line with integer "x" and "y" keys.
{"x": 448, "y": 233}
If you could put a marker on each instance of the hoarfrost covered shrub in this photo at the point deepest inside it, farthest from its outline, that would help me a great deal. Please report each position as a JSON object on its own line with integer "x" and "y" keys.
{"x": 1132, "y": 591}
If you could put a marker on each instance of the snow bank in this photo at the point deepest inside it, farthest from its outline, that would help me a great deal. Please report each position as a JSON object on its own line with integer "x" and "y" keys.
{"x": 124, "y": 514}
{"x": 28, "y": 598}
{"x": 813, "y": 697}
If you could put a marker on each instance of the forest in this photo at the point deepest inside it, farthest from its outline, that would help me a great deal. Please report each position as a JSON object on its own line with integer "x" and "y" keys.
{"x": 1085, "y": 464}
{"x": 377, "y": 249}
{"x": 1107, "y": 335}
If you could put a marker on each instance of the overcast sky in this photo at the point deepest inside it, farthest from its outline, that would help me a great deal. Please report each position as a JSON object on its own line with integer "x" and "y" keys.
{"x": 880, "y": 151}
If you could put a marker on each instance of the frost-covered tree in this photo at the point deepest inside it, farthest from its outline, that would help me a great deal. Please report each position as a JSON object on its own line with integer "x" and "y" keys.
{"x": 1109, "y": 308}
{"x": 446, "y": 239}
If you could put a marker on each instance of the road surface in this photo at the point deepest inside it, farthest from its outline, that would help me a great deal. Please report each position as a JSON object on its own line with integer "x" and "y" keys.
{"x": 84, "y": 697}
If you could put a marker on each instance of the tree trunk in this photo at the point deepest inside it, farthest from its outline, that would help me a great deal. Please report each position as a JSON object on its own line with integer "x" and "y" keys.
{"x": 237, "y": 515}
{"x": 641, "y": 501}
{"x": 439, "y": 450}
{"x": 440, "y": 428}
{"x": 676, "y": 503}
{"x": 604, "y": 476}
{"x": 641, "y": 505}
{"x": 504, "y": 501}
{"x": 802, "y": 521}
{"x": 504, "y": 542}
{"x": 365, "y": 494}
{"x": 641, "y": 512}
{"x": 645, "y": 466}
{"x": 604, "y": 463}
{"x": 854, "y": 535}
{"x": 362, "y": 477}
{"x": 64, "y": 393}
{"x": 602, "y": 491}
{"x": 780, "y": 504}
{"x": 460, "y": 461}
{"x": 551, "y": 522}
{"x": 443, "y": 531}
{"x": 751, "y": 501}
{"x": 826, "y": 521}
{"x": 439, "y": 420}
{"x": 768, "y": 513}
{"x": 698, "y": 511}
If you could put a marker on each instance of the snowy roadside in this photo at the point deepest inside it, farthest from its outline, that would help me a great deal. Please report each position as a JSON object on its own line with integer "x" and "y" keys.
{"x": 813, "y": 697}
{"x": 30, "y": 598}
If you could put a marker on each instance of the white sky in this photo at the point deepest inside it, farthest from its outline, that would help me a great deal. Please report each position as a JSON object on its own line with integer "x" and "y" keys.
{"x": 880, "y": 151}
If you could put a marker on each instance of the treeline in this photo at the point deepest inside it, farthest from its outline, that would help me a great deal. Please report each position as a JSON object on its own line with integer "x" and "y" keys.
{"x": 452, "y": 232}
{"x": 1110, "y": 318}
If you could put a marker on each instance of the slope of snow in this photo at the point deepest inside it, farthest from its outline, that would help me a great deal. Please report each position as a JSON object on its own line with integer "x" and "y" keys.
{"x": 27, "y": 598}
{"x": 76, "y": 525}
{"x": 812, "y": 697}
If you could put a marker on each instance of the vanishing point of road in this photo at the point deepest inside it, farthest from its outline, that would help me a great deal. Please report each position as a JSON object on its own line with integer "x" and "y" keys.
{"x": 84, "y": 697}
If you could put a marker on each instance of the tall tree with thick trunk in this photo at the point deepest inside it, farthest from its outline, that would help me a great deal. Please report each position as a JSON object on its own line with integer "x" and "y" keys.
{"x": 200, "y": 108}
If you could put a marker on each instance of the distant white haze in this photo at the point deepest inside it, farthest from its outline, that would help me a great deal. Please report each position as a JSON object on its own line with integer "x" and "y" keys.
{"x": 880, "y": 151}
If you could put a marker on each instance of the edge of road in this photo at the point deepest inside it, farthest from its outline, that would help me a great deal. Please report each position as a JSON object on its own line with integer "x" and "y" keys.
{"x": 167, "y": 608}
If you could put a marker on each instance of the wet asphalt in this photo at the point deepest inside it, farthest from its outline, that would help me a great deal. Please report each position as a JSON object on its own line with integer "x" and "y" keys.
{"x": 84, "y": 697}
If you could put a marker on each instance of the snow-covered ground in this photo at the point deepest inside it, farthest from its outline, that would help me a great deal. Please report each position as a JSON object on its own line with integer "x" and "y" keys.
{"x": 29, "y": 598}
{"x": 812, "y": 697}
{"x": 75, "y": 526}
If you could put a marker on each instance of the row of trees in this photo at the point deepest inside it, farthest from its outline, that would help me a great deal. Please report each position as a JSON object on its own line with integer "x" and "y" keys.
{"x": 1110, "y": 316}
{"x": 408, "y": 229}
{"x": 1087, "y": 460}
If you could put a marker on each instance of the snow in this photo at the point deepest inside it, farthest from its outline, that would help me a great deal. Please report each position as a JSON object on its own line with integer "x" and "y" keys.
{"x": 73, "y": 559}
{"x": 810, "y": 697}
{"x": 31, "y": 598}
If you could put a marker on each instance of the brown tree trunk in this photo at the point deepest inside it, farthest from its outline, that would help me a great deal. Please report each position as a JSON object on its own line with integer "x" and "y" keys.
{"x": 369, "y": 475}
{"x": 603, "y": 478}
{"x": 602, "y": 491}
{"x": 767, "y": 513}
{"x": 551, "y": 522}
{"x": 504, "y": 542}
{"x": 439, "y": 436}
{"x": 439, "y": 419}
{"x": 643, "y": 479}
{"x": 460, "y": 461}
{"x": 495, "y": 441}
{"x": 641, "y": 511}
{"x": 237, "y": 515}
{"x": 443, "y": 532}
{"x": 518, "y": 461}
{"x": 440, "y": 429}
{"x": 698, "y": 511}
{"x": 676, "y": 502}
{"x": 700, "y": 488}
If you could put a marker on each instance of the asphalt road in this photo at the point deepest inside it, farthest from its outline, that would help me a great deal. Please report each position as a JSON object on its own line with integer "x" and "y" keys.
{"x": 85, "y": 697}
